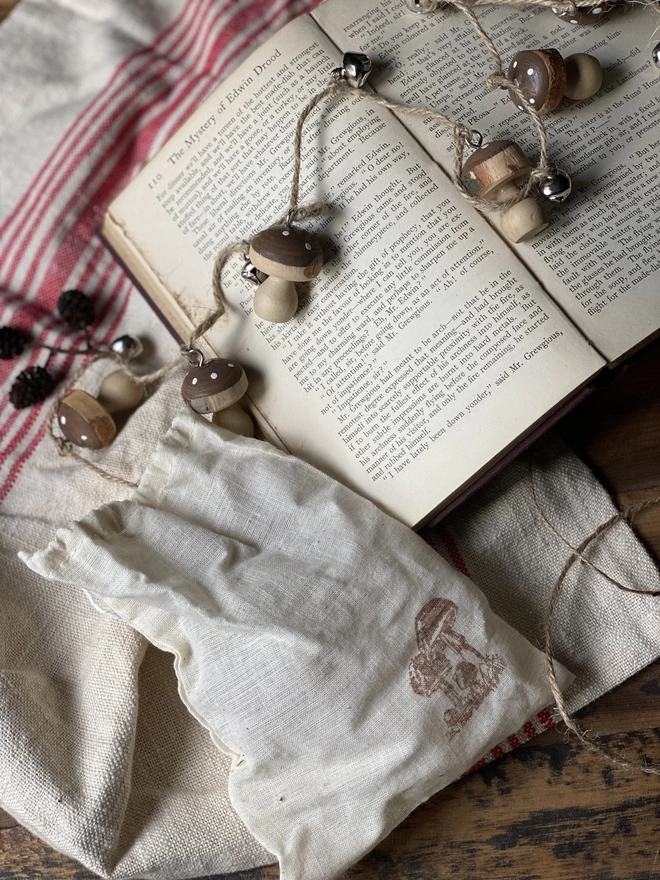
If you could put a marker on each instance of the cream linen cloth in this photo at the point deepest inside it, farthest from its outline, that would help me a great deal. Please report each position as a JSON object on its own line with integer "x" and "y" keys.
{"x": 350, "y": 670}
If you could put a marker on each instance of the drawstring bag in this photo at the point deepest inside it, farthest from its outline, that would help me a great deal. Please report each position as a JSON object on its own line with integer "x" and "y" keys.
{"x": 348, "y": 669}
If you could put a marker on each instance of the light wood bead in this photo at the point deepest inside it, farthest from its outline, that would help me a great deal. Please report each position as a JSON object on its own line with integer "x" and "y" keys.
{"x": 276, "y": 300}
{"x": 584, "y": 76}
{"x": 234, "y": 419}
{"x": 84, "y": 421}
{"x": 523, "y": 220}
{"x": 119, "y": 391}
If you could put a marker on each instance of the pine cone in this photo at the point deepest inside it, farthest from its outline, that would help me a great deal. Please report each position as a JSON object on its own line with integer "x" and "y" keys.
{"x": 76, "y": 309}
{"x": 31, "y": 386}
{"x": 12, "y": 342}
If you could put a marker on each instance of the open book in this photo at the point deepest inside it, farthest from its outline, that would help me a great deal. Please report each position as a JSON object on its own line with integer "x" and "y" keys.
{"x": 429, "y": 345}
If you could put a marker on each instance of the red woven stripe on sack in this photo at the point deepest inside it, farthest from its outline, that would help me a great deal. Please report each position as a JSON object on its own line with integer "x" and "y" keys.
{"x": 199, "y": 46}
{"x": 542, "y": 721}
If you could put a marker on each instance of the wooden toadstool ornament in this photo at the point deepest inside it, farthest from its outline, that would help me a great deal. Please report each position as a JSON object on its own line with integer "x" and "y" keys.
{"x": 544, "y": 78}
{"x": 285, "y": 254}
{"x": 87, "y": 421}
{"x": 84, "y": 421}
{"x": 216, "y": 386}
{"x": 491, "y": 172}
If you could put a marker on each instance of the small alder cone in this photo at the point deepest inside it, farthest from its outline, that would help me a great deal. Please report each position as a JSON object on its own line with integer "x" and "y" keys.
{"x": 84, "y": 421}
{"x": 545, "y": 78}
{"x": 491, "y": 172}
{"x": 214, "y": 385}
{"x": 286, "y": 254}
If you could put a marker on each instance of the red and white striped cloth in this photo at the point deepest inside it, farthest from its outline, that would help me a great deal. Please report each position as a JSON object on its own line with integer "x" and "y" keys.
{"x": 48, "y": 233}
{"x": 135, "y": 788}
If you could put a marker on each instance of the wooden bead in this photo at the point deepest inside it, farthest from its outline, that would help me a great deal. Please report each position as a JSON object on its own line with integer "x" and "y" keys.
{"x": 119, "y": 391}
{"x": 584, "y": 76}
{"x": 494, "y": 166}
{"x": 84, "y": 421}
{"x": 541, "y": 75}
{"x": 275, "y": 300}
{"x": 234, "y": 419}
{"x": 523, "y": 220}
{"x": 214, "y": 385}
{"x": 286, "y": 252}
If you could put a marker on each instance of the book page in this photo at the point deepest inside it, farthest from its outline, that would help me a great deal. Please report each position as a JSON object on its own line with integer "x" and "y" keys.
{"x": 600, "y": 258}
{"x": 422, "y": 351}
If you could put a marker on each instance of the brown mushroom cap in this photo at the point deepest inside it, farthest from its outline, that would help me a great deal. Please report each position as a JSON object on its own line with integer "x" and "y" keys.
{"x": 215, "y": 385}
{"x": 286, "y": 252}
{"x": 584, "y": 15}
{"x": 84, "y": 421}
{"x": 492, "y": 166}
{"x": 541, "y": 74}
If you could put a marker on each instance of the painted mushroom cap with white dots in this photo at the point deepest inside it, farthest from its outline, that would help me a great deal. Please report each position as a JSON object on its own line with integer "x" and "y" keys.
{"x": 214, "y": 385}
{"x": 288, "y": 252}
{"x": 541, "y": 76}
{"x": 84, "y": 421}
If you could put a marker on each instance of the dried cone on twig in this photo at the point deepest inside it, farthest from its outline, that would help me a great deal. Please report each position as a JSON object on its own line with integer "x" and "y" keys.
{"x": 492, "y": 172}
{"x": 286, "y": 254}
{"x": 12, "y": 342}
{"x": 76, "y": 309}
{"x": 31, "y": 386}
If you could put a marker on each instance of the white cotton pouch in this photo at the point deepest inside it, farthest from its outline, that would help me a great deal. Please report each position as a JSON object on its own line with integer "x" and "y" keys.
{"x": 350, "y": 670}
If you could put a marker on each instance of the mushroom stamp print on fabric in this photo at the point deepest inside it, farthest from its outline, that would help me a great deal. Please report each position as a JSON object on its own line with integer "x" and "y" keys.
{"x": 447, "y": 663}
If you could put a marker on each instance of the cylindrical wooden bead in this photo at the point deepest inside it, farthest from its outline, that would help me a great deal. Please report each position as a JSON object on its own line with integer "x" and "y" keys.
{"x": 234, "y": 419}
{"x": 119, "y": 391}
{"x": 275, "y": 300}
{"x": 84, "y": 421}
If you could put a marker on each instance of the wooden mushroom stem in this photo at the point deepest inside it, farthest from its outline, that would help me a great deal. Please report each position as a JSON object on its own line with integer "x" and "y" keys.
{"x": 234, "y": 419}
{"x": 523, "y": 220}
{"x": 276, "y": 300}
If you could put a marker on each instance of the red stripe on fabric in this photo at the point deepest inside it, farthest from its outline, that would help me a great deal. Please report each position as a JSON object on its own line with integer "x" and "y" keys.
{"x": 455, "y": 555}
{"x": 138, "y": 110}
{"x": 105, "y": 99}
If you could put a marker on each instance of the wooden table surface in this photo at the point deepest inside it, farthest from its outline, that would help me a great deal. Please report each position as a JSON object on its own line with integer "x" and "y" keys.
{"x": 548, "y": 810}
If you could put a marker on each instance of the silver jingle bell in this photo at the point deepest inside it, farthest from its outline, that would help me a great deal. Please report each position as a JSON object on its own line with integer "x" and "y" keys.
{"x": 556, "y": 186}
{"x": 127, "y": 346}
{"x": 355, "y": 69}
{"x": 655, "y": 55}
{"x": 251, "y": 273}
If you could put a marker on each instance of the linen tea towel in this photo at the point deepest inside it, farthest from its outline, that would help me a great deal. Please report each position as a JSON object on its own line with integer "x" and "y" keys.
{"x": 349, "y": 670}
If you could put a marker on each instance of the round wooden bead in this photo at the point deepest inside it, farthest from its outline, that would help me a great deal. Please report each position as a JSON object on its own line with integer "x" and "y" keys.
{"x": 584, "y": 76}
{"x": 84, "y": 421}
{"x": 541, "y": 75}
{"x": 119, "y": 391}
{"x": 584, "y": 15}
{"x": 214, "y": 385}
{"x": 523, "y": 220}
{"x": 286, "y": 252}
{"x": 234, "y": 419}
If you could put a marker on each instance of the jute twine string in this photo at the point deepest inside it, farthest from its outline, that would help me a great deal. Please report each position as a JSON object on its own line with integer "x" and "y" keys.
{"x": 578, "y": 554}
